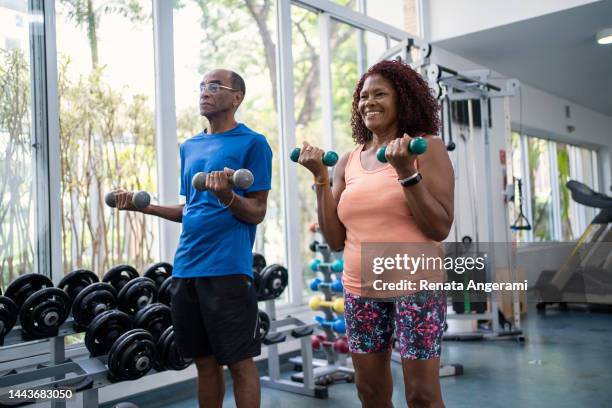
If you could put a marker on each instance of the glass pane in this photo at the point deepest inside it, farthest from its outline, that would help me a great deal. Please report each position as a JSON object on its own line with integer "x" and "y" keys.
{"x": 344, "y": 80}
{"x": 207, "y": 36}
{"x": 352, "y": 4}
{"x": 541, "y": 191}
{"x": 305, "y": 37}
{"x": 566, "y": 204}
{"x": 107, "y": 131}
{"x": 401, "y": 14}
{"x": 517, "y": 170}
{"x": 18, "y": 234}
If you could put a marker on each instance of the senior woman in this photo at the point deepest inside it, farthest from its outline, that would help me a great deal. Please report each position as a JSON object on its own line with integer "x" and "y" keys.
{"x": 409, "y": 199}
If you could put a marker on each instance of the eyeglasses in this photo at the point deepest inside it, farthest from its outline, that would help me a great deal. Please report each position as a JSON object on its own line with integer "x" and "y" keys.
{"x": 213, "y": 87}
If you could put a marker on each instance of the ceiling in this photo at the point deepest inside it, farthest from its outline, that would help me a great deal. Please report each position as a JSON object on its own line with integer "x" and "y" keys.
{"x": 556, "y": 53}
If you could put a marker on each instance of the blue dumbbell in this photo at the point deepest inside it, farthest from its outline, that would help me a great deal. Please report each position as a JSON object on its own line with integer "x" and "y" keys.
{"x": 338, "y": 325}
{"x": 314, "y": 284}
{"x": 335, "y": 286}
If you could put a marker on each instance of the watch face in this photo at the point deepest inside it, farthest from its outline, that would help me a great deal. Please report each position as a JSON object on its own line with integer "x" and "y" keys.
{"x": 412, "y": 181}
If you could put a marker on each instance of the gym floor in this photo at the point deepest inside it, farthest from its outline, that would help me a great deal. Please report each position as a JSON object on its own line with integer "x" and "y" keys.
{"x": 564, "y": 363}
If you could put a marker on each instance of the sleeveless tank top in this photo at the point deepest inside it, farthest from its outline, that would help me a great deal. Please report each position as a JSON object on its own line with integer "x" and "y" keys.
{"x": 373, "y": 209}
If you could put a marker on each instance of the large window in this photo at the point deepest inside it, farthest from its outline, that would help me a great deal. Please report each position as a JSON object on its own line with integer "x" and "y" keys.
{"x": 17, "y": 207}
{"x": 242, "y": 38}
{"x": 544, "y": 168}
{"x": 22, "y": 235}
{"x": 107, "y": 130}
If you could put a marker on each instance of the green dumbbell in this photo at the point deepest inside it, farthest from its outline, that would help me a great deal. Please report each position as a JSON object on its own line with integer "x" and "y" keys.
{"x": 329, "y": 158}
{"x": 242, "y": 179}
{"x": 417, "y": 146}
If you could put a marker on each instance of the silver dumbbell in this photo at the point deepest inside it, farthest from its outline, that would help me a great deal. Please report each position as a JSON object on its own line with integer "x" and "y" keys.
{"x": 242, "y": 179}
{"x": 140, "y": 199}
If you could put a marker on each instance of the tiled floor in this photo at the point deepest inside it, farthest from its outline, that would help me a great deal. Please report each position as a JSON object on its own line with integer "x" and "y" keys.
{"x": 566, "y": 362}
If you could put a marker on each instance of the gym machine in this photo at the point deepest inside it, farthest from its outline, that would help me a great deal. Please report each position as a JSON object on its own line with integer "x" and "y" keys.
{"x": 450, "y": 86}
{"x": 586, "y": 274}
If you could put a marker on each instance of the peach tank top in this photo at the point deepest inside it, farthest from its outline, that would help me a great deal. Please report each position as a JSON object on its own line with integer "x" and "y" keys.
{"x": 373, "y": 209}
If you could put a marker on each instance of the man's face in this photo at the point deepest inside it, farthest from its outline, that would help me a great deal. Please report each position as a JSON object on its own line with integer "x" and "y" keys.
{"x": 220, "y": 100}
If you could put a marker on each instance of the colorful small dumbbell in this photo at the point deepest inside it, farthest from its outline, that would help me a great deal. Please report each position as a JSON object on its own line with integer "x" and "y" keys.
{"x": 337, "y": 305}
{"x": 338, "y": 325}
{"x": 335, "y": 286}
{"x": 336, "y": 266}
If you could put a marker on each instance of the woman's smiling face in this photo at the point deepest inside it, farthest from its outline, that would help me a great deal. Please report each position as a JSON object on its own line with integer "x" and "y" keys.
{"x": 378, "y": 103}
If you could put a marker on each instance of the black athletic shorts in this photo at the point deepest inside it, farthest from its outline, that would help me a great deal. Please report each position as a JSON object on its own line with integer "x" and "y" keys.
{"x": 216, "y": 316}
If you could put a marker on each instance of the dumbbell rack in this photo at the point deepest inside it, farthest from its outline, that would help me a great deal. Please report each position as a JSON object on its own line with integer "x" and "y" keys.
{"x": 279, "y": 330}
{"x": 87, "y": 375}
{"x": 334, "y": 363}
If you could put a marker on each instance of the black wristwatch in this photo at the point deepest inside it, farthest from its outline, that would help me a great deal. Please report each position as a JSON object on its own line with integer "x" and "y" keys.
{"x": 412, "y": 180}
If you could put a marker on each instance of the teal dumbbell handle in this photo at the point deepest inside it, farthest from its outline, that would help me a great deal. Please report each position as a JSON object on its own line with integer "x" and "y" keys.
{"x": 329, "y": 158}
{"x": 417, "y": 146}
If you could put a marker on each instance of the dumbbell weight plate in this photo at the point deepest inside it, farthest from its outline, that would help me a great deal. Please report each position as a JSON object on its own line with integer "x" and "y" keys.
{"x": 24, "y": 286}
{"x": 92, "y": 301}
{"x": 104, "y": 329}
{"x": 44, "y": 312}
{"x": 119, "y": 275}
{"x": 263, "y": 325}
{"x": 76, "y": 281}
{"x": 154, "y": 318}
{"x": 131, "y": 356}
{"x": 159, "y": 272}
{"x": 259, "y": 262}
{"x": 168, "y": 356}
{"x": 164, "y": 295}
{"x": 8, "y": 316}
{"x": 136, "y": 294}
{"x": 274, "y": 279}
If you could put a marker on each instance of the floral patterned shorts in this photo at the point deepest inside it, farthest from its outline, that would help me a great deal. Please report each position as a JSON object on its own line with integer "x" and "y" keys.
{"x": 416, "y": 321}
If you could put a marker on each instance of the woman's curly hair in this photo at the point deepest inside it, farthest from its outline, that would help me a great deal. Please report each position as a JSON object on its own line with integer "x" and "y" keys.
{"x": 417, "y": 109}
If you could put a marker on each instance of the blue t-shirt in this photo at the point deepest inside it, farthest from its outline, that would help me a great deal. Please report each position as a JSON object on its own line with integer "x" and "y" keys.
{"x": 213, "y": 241}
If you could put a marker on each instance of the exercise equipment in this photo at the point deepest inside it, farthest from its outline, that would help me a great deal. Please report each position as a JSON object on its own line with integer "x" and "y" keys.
{"x": 92, "y": 301}
{"x": 158, "y": 272}
{"x": 338, "y": 325}
{"x": 154, "y": 318}
{"x": 242, "y": 179}
{"x": 8, "y": 316}
{"x": 167, "y": 354}
{"x": 136, "y": 294}
{"x": 140, "y": 199}
{"x": 263, "y": 325}
{"x": 43, "y": 313}
{"x": 26, "y": 285}
{"x": 335, "y": 266}
{"x": 329, "y": 158}
{"x": 340, "y": 345}
{"x": 76, "y": 281}
{"x": 164, "y": 295}
{"x": 417, "y": 146}
{"x": 104, "y": 330}
{"x": 586, "y": 274}
{"x": 259, "y": 262}
{"x": 273, "y": 281}
{"x": 317, "y": 284}
{"x": 131, "y": 356}
{"x": 119, "y": 275}
{"x": 317, "y": 303}
{"x": 521, "y": 223}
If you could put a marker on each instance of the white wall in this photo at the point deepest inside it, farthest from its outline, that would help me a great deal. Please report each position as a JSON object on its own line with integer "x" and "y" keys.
{"x": 452, "y": 18}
